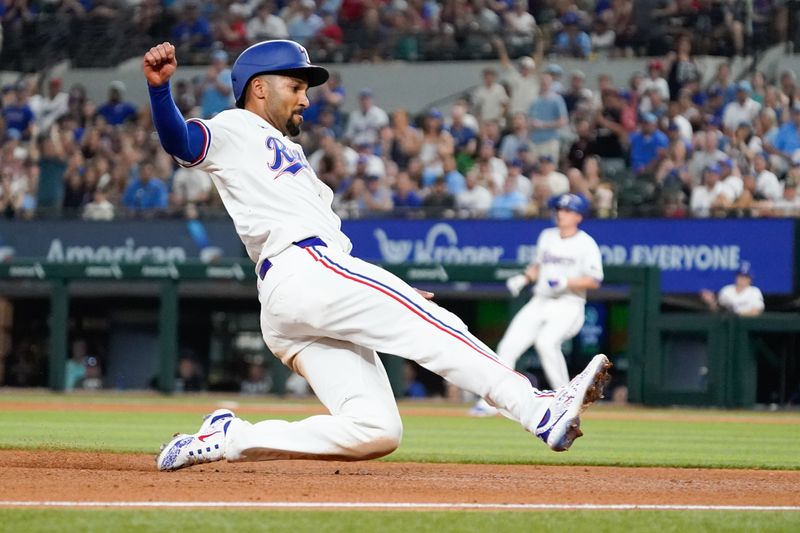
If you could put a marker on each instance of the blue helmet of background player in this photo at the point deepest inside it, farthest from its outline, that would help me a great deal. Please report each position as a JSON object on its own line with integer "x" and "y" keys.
{"x": 273, "y": 57}
{"x": 570, "y": 202}
{"x": 745, "y": 270}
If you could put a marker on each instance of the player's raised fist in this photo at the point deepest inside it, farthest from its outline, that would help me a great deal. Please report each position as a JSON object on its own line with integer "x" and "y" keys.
{"x": 159, "y": 64}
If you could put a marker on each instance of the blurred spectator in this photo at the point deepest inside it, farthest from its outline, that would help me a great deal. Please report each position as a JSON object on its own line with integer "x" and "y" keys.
{"x": 515, "y": 139}
{"x": 610, "y": 134}
{"x": 190, "y": 185}
{"x": 257, "y": 381}
{"x": 547, "y": 115}
{"x": 602, "y": 37}
{"x": 364, "y": 123}
{"x": 648, "y": 146}
{"x": 510, "y": 202}
{"x": 712, "y": 197}
{"x": 786, "y": 142}
{"x": 99, "y": 208}
{"x": 266, "y": 25}
{"x": 742, "y": 109}
{"x": 146, "y": 193}
{"x": 522, "y": 82}
{"x": 438, "y": 202}
{"x": 377, "y": 197}
{"x": 578, "y": 98}
{"x": 740, "y": 297}
{"x": 437, "y": 143}
{"x": 548, "y": 174}
{"x": 50, "y": 107}
{"x": 706, "y": 153}
{"x": 370, "y": 38}
{"x": 191, "y": 35}
{"x": 190, "y": 377}
{"x": 304, "y": 25}
{"x": 767, "y": 185}
{"x": 16, "y": 112}
{"x": 231, "y": 27}
{"x": 520, "y": 27}
{"x": 475, "y": 200}
{"x": 572, "y": 41}
{"x": 490, "y": 100}
{"x": 655, "y": 79}
{"x": 215, "y": 88}
{"x": 76, "y": 365}
{"x": 327, "y": 97}
{"x": 115, "y": 110}
{"x": 789, "y": 204}
{"x": 406, "y": 195}
{"x": 681, "y": 67}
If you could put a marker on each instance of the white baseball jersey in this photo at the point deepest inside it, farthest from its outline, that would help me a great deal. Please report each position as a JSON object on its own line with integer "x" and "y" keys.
{"x": 267, "y": 185}
{"x": 572, "y": 257}
{"x": 326, "y": 314}
{"x": 748, "y": 300}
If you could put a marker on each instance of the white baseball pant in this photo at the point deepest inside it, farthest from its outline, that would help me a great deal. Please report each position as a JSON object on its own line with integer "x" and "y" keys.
{"x": 325, "y": 313}
{"x": 545, "y": 323}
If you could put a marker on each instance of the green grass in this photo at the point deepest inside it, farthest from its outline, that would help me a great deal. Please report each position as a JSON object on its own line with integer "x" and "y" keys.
{"x": 46, "y": 520}
{"x": 642, "y": 437}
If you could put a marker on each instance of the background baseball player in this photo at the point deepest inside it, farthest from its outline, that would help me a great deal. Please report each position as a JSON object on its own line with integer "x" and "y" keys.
{"x": 740, "y": 297}
{"x": 566, "y": 265}
{"x": 324, "y": 313}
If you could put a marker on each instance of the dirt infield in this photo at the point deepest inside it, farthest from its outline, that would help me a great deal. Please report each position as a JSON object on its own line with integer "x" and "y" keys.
{"x": 104, "y": 477}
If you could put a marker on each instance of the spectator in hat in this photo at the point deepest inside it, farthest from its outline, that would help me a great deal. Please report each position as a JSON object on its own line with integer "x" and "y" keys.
{"x": 365, "y": 122}
{"x": 556, "y": 182}
{"x": 572, "y": 41}
{"x": 520, "y": 26}
{"x": 706, "y": 152}
{"x": 729, "y": 174}
{"x": 510, "y": 202}
{"x": 146, "y": 194}
{"x": 215, "y": 88}
{"x": 655, "y": 79}
{"x": 439, "y": 202}
{"x": 516, "y": 138}
{"x": 522, "y": 80}
{"x": 742, "y": 109}
{"x": 648, "y": 145}
{"x": 546, "y": 116}
{"x": 266, "y": 25}
{"x": 712, "y": 197}
{"x": 116, "y": 110}
{"x": 577, "y": 94}
{"x": 555, "y": 70}
{"x": 741, "y": 297}
{"x": 463, "y": 127}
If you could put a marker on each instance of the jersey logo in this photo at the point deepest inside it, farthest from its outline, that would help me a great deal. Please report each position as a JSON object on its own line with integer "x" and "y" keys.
{"x": 285, "y": 160}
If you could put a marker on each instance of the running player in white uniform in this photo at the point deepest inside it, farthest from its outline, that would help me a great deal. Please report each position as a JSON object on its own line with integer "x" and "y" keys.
{"x": 325, "y": 313}
{"x": 741, "y": 297}
{"x": 567, "y": 264}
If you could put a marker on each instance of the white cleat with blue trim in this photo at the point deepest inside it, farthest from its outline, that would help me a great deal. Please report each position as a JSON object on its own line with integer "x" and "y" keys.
{"x": 560, "y": 425}
{"x": 205, "y": 446}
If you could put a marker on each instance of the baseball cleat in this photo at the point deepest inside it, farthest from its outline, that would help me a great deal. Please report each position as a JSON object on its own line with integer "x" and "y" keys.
{"x": 560, "y": 425}
{"x": 205, "y": 446}
{"x": 482, "y": 409}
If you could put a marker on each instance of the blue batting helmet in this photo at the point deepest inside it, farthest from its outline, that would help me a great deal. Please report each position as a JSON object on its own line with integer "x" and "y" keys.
{"x": 571, "y": 202}
{"x": 278, "y": 57}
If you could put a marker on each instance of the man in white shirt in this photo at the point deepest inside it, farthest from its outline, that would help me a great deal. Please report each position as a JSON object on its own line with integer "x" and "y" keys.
{"x": 364, "y": 124}
{"x": 490, "y": 100}
{"x": 712, "y": 195}
{"x": 767, "y": 183}
{"x": 741, "y": 297}
{"x": 743, "y": 109}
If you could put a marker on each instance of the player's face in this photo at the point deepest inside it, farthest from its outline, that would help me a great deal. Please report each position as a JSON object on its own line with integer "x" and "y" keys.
{"x": 285, "y": 103}
{"x": 567, "y": 220}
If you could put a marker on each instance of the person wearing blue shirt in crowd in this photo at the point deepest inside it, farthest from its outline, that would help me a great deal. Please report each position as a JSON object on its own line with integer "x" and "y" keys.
{"x": 572, "y": 41}
{"x": 17, "y": 114}
{"x": 787, "y": 138}
{"x": 509, "y": 202}
{"x": 117, "y": 111}
{"x": 648, "y": 145}
{"x": 146, "y": 192}
{"x": 217, "y": 92}
{"x": 546, "y": 116}
{"x": 193, "y": 32}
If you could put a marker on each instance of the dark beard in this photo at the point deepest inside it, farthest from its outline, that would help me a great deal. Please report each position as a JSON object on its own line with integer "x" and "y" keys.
{"x": 292, "y": 128}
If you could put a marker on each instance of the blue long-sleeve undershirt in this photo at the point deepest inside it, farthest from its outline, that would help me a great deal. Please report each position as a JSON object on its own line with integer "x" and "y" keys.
{"x": 179, "y": 139}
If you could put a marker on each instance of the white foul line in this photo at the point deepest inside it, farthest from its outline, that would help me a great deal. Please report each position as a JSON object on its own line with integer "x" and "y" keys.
{"x": 404, "y": 505}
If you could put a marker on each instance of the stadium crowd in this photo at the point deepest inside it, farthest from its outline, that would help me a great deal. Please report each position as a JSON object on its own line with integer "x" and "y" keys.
{"x": 658, "y": 144}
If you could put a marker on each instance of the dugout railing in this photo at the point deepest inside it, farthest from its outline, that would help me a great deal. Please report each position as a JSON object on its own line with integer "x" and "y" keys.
{"x": 641, "y": 285}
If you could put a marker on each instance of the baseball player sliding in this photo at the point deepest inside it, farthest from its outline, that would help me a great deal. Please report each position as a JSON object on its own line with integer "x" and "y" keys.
{"x": 566, "y": 265}
{"x": 325, "y": 313}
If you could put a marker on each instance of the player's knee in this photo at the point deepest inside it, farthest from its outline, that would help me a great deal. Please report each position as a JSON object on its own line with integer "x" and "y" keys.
{"x": 380, "y": 438}
{"x": 548, "y": 345}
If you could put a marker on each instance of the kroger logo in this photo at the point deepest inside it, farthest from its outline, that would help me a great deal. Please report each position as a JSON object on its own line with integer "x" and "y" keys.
{"x": 440, "y": 245}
